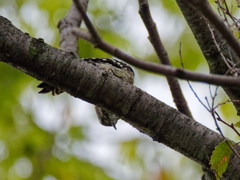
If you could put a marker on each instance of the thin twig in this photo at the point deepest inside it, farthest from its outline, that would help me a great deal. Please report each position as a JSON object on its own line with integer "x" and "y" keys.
{"x": 211, "y": 109}
{"x": 180, "y": 56}
{"x": 219, "y": 50}
{"x": 153, "y": 67}
{"x": 205, "y": 9}
{"x": 213, "y": 113}
{"x": 234, "y": 71}
{"x": 229, "y": 125}
{"x": 226, "y": 12}
{"x": 219, "y": 104}
{"x": 161, "y": 52}
{"x": 234, "y": 150}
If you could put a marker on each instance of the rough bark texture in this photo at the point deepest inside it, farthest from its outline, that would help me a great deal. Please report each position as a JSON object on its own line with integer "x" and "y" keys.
{"x": 68, "y": 41}
{"x": 205, "y": 41}
{"x": 83, "y": 80}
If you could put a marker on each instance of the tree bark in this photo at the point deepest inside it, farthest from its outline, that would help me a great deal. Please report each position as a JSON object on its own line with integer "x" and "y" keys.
{"x": 202, "y": 34}
{"x": 68, "y": 41}
{"x": 87, "y": 82}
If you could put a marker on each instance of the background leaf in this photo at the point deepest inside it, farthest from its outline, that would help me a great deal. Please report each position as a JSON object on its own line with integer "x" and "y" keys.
{"x": 220, "y": 157}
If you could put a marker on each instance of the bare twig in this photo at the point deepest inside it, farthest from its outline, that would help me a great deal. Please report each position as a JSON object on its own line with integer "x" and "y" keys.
{"x": 225, "y": 102}
{"x": 211, "y": 109}
{"x": 219, "y": 50}
{"x": 97, "y": 39}
{"x": 83, "y": 34}
{"x": 153, "y": 67}
{"x": 68, "y": 41}
{"x": 161, "y": 52}
{"x": 229, "y": 125}
{"x": 180, "y": 56}
{"x": 204, "y": 7}
{"x": 213, "y": 113}
{"x": 234, "y": 150}
{"x": 222, "y": 5}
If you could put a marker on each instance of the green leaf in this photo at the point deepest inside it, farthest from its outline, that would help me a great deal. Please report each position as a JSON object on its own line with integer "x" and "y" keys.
{"x": 220, "y": 157}
{"x": 237, "y": 124}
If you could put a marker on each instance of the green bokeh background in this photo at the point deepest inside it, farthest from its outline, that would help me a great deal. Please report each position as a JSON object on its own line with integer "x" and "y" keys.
{"x": 29, "y": 151}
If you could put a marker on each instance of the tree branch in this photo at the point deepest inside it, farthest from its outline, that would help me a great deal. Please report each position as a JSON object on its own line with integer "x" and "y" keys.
{"x": 68, "y": 41}
{"x": 153, "y": 67}
{"x": 85, "y": 81}
{"x": 204, "y": 7}
{"x": 161, "y": 52}
{"x": 204, "y": 38}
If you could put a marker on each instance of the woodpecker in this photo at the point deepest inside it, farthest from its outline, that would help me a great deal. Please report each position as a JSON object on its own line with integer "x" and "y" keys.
{"x": 111, "y": 66}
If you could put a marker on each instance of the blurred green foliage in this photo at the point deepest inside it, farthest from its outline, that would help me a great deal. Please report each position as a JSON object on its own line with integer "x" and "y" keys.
{"x": 22, "y": 139}
{"x": 28, "y": 151}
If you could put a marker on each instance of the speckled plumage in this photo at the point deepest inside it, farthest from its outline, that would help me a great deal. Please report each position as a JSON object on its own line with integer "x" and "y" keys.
{"x": 112, "y": 66}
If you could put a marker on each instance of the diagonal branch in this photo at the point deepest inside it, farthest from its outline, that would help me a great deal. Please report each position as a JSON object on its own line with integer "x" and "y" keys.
{"x": 162, "y": 69}
{"x": 85, "y": 81}
{"x": 152, "y": 67}
{"x": 68, "y": 41}
{"x": 207, "y": 43}
{"x": 206, "y": 10}
{"x": 161, "y": 52}
{"x": 92, "y": 30}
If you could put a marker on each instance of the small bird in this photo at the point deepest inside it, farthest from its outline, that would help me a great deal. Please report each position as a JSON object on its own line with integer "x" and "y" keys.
{"x": 111, "y": 66}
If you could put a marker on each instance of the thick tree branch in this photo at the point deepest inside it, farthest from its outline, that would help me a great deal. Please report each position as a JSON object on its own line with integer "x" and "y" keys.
{"x": 85, "y": 81}
{"x": 206, "y": 10}
{"x": 161, "y": 52}
{"x": 203, "y": 35}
